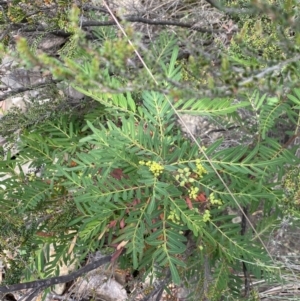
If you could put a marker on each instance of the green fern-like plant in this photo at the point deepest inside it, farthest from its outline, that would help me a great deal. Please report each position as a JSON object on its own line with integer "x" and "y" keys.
{"x": 136, "y": 184}
{"x": 124, "y": 176}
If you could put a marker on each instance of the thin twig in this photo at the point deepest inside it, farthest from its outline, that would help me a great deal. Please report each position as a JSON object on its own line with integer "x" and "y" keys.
{"x": 26, "y": 88}
{"x": 268, "y": 70}
{"x": 131, "y": 19}
{"x": 44, "y": 283}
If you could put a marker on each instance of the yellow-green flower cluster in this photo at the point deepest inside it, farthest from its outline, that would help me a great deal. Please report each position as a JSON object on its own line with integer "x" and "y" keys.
{"x": 214, "y": 201}
{"x": 183, "y": 176}
{"x": 206, "y": 216}
{"x": 193, "y": 192}
{"x": 174, "y": 217}
{"x": 154, "y": 167}
{"x": 200, "y": 169}
{"x": 31, "y": 177}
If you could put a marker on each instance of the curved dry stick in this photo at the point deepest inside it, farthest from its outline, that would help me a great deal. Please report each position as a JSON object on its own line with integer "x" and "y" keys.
{"x": 152, "y": 22}
{"x": 15, "y": 91}
{"x": 131, "y": 19}
{"x": 44, "y": 283}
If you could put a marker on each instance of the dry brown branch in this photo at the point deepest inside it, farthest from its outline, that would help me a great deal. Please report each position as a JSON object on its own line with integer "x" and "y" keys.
{"x": 44, "y": 283}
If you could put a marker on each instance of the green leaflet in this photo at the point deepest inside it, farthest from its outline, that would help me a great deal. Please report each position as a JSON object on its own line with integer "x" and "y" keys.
{"x": 208, "y": 106}
{"x": 162, "y": 49}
